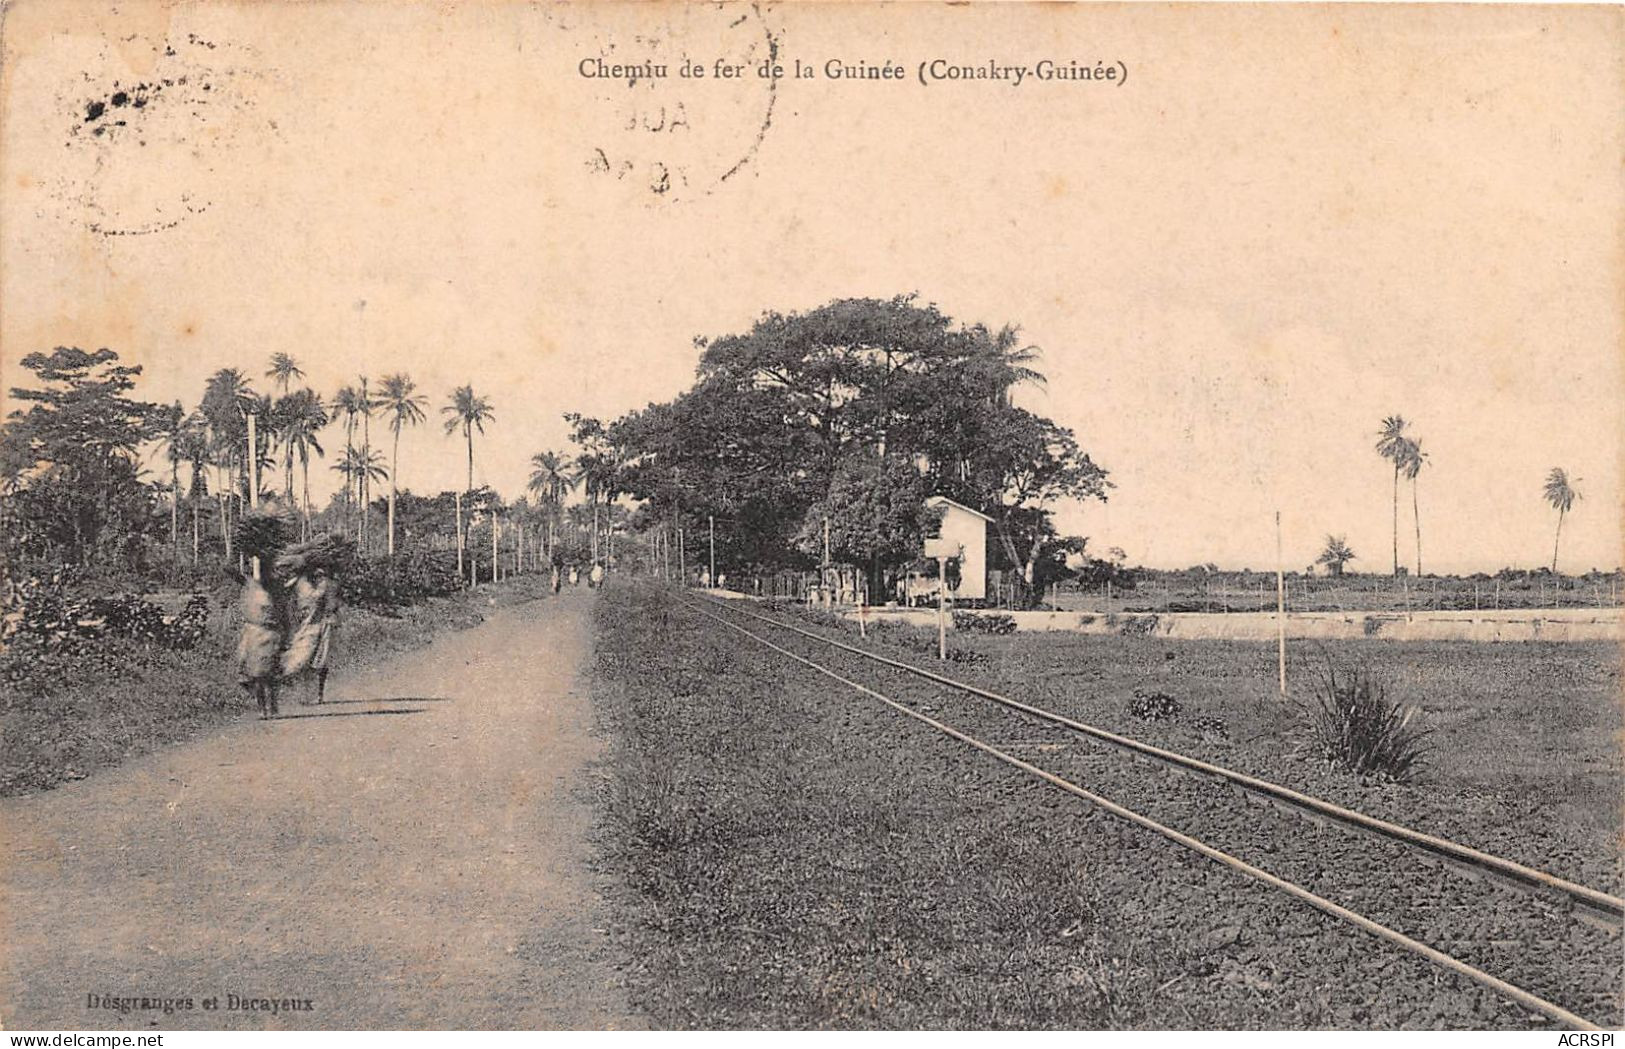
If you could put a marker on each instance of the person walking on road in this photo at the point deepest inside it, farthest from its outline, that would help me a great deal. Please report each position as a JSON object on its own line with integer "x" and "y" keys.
{"x": 260, "y": 534}
{"x": 315, "y": 606}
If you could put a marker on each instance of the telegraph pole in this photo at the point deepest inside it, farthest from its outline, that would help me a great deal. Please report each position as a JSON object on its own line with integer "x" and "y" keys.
{"x": 711, "y": 523}
{"x": 253, "y": 478}
{"x": 1280, "y": 604}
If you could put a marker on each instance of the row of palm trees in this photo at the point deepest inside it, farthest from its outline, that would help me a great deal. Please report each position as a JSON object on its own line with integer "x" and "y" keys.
{"x": 216, "y": 436}
{"x": 1404, "y": 451}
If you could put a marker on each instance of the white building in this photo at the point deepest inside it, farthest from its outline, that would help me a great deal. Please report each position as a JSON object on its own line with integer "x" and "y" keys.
{"x": 966, "y": 529}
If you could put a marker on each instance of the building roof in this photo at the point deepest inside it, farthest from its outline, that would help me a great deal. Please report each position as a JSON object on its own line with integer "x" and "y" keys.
{"x": 938, "y": 500}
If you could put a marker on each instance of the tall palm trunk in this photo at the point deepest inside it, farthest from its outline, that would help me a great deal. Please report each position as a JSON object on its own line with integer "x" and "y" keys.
{"x": 364, "y": 483}
{"x": 175, "y": 507}
{"x": 1396, "y": 518}
{"x": 394, "y": 486}
{"x": 304, "y": 469}
{"x": 1416, "y": 516}
{"x": 1557, "y": 539}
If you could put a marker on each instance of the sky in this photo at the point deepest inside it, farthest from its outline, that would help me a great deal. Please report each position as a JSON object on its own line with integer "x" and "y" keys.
{"x": 1283, "y": 226}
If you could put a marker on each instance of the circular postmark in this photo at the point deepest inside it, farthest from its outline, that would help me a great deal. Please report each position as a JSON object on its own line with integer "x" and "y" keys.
{"x": 682, "y": 107}
{"x": 140, "y": 153}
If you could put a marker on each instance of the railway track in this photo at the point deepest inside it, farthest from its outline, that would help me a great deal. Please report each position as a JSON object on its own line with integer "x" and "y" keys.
{"x": 1549, "y": 945}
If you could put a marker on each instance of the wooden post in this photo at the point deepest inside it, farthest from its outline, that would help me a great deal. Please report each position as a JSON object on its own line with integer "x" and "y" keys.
{"x": 942, "y": 604}
{"x": 711, "y": 523}
{"x": 496, "y": 560}
{"x": 1280, "y": 605}
{"x": 253, "y": 481}
{"x": 458, "y": 496}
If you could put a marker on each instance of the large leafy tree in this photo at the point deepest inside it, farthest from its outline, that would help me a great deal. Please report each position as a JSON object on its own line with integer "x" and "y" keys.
{"x": 597, "y": 469}
{"x": 74, "y": 456}
{"x": 809, "y": 409}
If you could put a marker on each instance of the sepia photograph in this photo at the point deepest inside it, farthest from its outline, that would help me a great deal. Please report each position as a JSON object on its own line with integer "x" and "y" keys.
{"x": 811, "y": 516}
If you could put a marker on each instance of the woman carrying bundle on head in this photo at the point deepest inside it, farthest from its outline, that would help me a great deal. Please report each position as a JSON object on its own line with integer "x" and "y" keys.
{"x": 260, "y": 535}
{"x": 313, "y": 619}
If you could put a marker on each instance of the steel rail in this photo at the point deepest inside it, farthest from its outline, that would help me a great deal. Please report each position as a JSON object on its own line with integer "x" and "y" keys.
{"x": 1444, "y": 961}
{"x": 1608, "y": 908}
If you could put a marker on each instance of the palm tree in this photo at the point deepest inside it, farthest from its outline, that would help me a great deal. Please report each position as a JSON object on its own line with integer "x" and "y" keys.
{"x": 283, "y": 370}
{"x": 1561, "y": 494}
{"x": 1391, "y": 445}
{"x": 349, "y": 402}
{"x": 364, "y": 480}
{"x": 303, "y": 417}
{"x": 1007, "y": 362}
{"x": 551, "y": 480}
{"x": 227, "y": 398}
{"x": 1336, "y": 555}
{"x": 358, "y": 467}
{"x": 404, "y": 407}
{"x": 195, "y": 448}
{"x": 171, "y": 429}
{"x": 1413, "y": 459}
{"x": 467, "y": 412}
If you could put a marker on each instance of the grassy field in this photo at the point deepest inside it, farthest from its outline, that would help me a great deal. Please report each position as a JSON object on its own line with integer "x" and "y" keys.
{"x": 71, "y": 713}
{"x": 1524, "y": 755}
{"x": 1193, "y": 591}
{"x": 788, "y": 853}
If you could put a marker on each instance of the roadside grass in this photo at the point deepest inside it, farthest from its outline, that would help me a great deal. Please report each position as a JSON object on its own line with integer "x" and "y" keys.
{"x": 1523, "y": 757}
{"x": 791, "y": 856}
{"x": 67, "y": 715}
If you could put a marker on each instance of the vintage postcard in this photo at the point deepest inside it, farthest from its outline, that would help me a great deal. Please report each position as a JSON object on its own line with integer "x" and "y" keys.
{"x": 810, "y": 516}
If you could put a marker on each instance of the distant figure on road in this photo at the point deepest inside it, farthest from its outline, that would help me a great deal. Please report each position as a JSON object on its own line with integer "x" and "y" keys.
{"x": 556, "y": 579}
{"x": 575, "y": 576}
{"x": 722, "y": 580}
{"x": 705, "y": 579}
{"x": 596, "y": 578}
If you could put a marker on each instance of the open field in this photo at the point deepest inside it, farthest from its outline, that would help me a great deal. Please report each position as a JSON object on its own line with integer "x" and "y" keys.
{"x": 1524, "y": 756}
{"x": 1225, "y": 591}
{"x": 794, "y": 854}
{"x": 67, "y": 714}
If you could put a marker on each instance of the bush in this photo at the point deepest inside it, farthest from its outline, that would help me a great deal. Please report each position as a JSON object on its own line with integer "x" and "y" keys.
{"x": 985, "y": 622}
{"x": 385, "y": 585}
{"x": 41, "y": 615}
{"x": 1353, "y": 725}
{"x": 1138, "y": 626}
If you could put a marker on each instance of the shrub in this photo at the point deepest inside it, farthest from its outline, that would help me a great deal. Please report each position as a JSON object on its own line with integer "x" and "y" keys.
{"x": 1154, "y": 706}
{"x": 1352, "y": 724}
{"x": 985, "y": 622}
{"x": 1138, "y": 626}
{"x": 385, "y": 585}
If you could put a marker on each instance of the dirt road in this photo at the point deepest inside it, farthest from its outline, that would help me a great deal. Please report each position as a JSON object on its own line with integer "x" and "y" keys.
{"x": 413, "y": 854}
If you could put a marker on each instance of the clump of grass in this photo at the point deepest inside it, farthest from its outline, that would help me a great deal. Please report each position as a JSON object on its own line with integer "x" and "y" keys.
{"x": 1154, "y": 706}
{"x": 1354, "y": 725}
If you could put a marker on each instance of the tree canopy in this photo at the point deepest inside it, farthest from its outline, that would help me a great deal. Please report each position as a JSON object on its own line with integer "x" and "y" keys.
{"x": 856, "y": 410}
